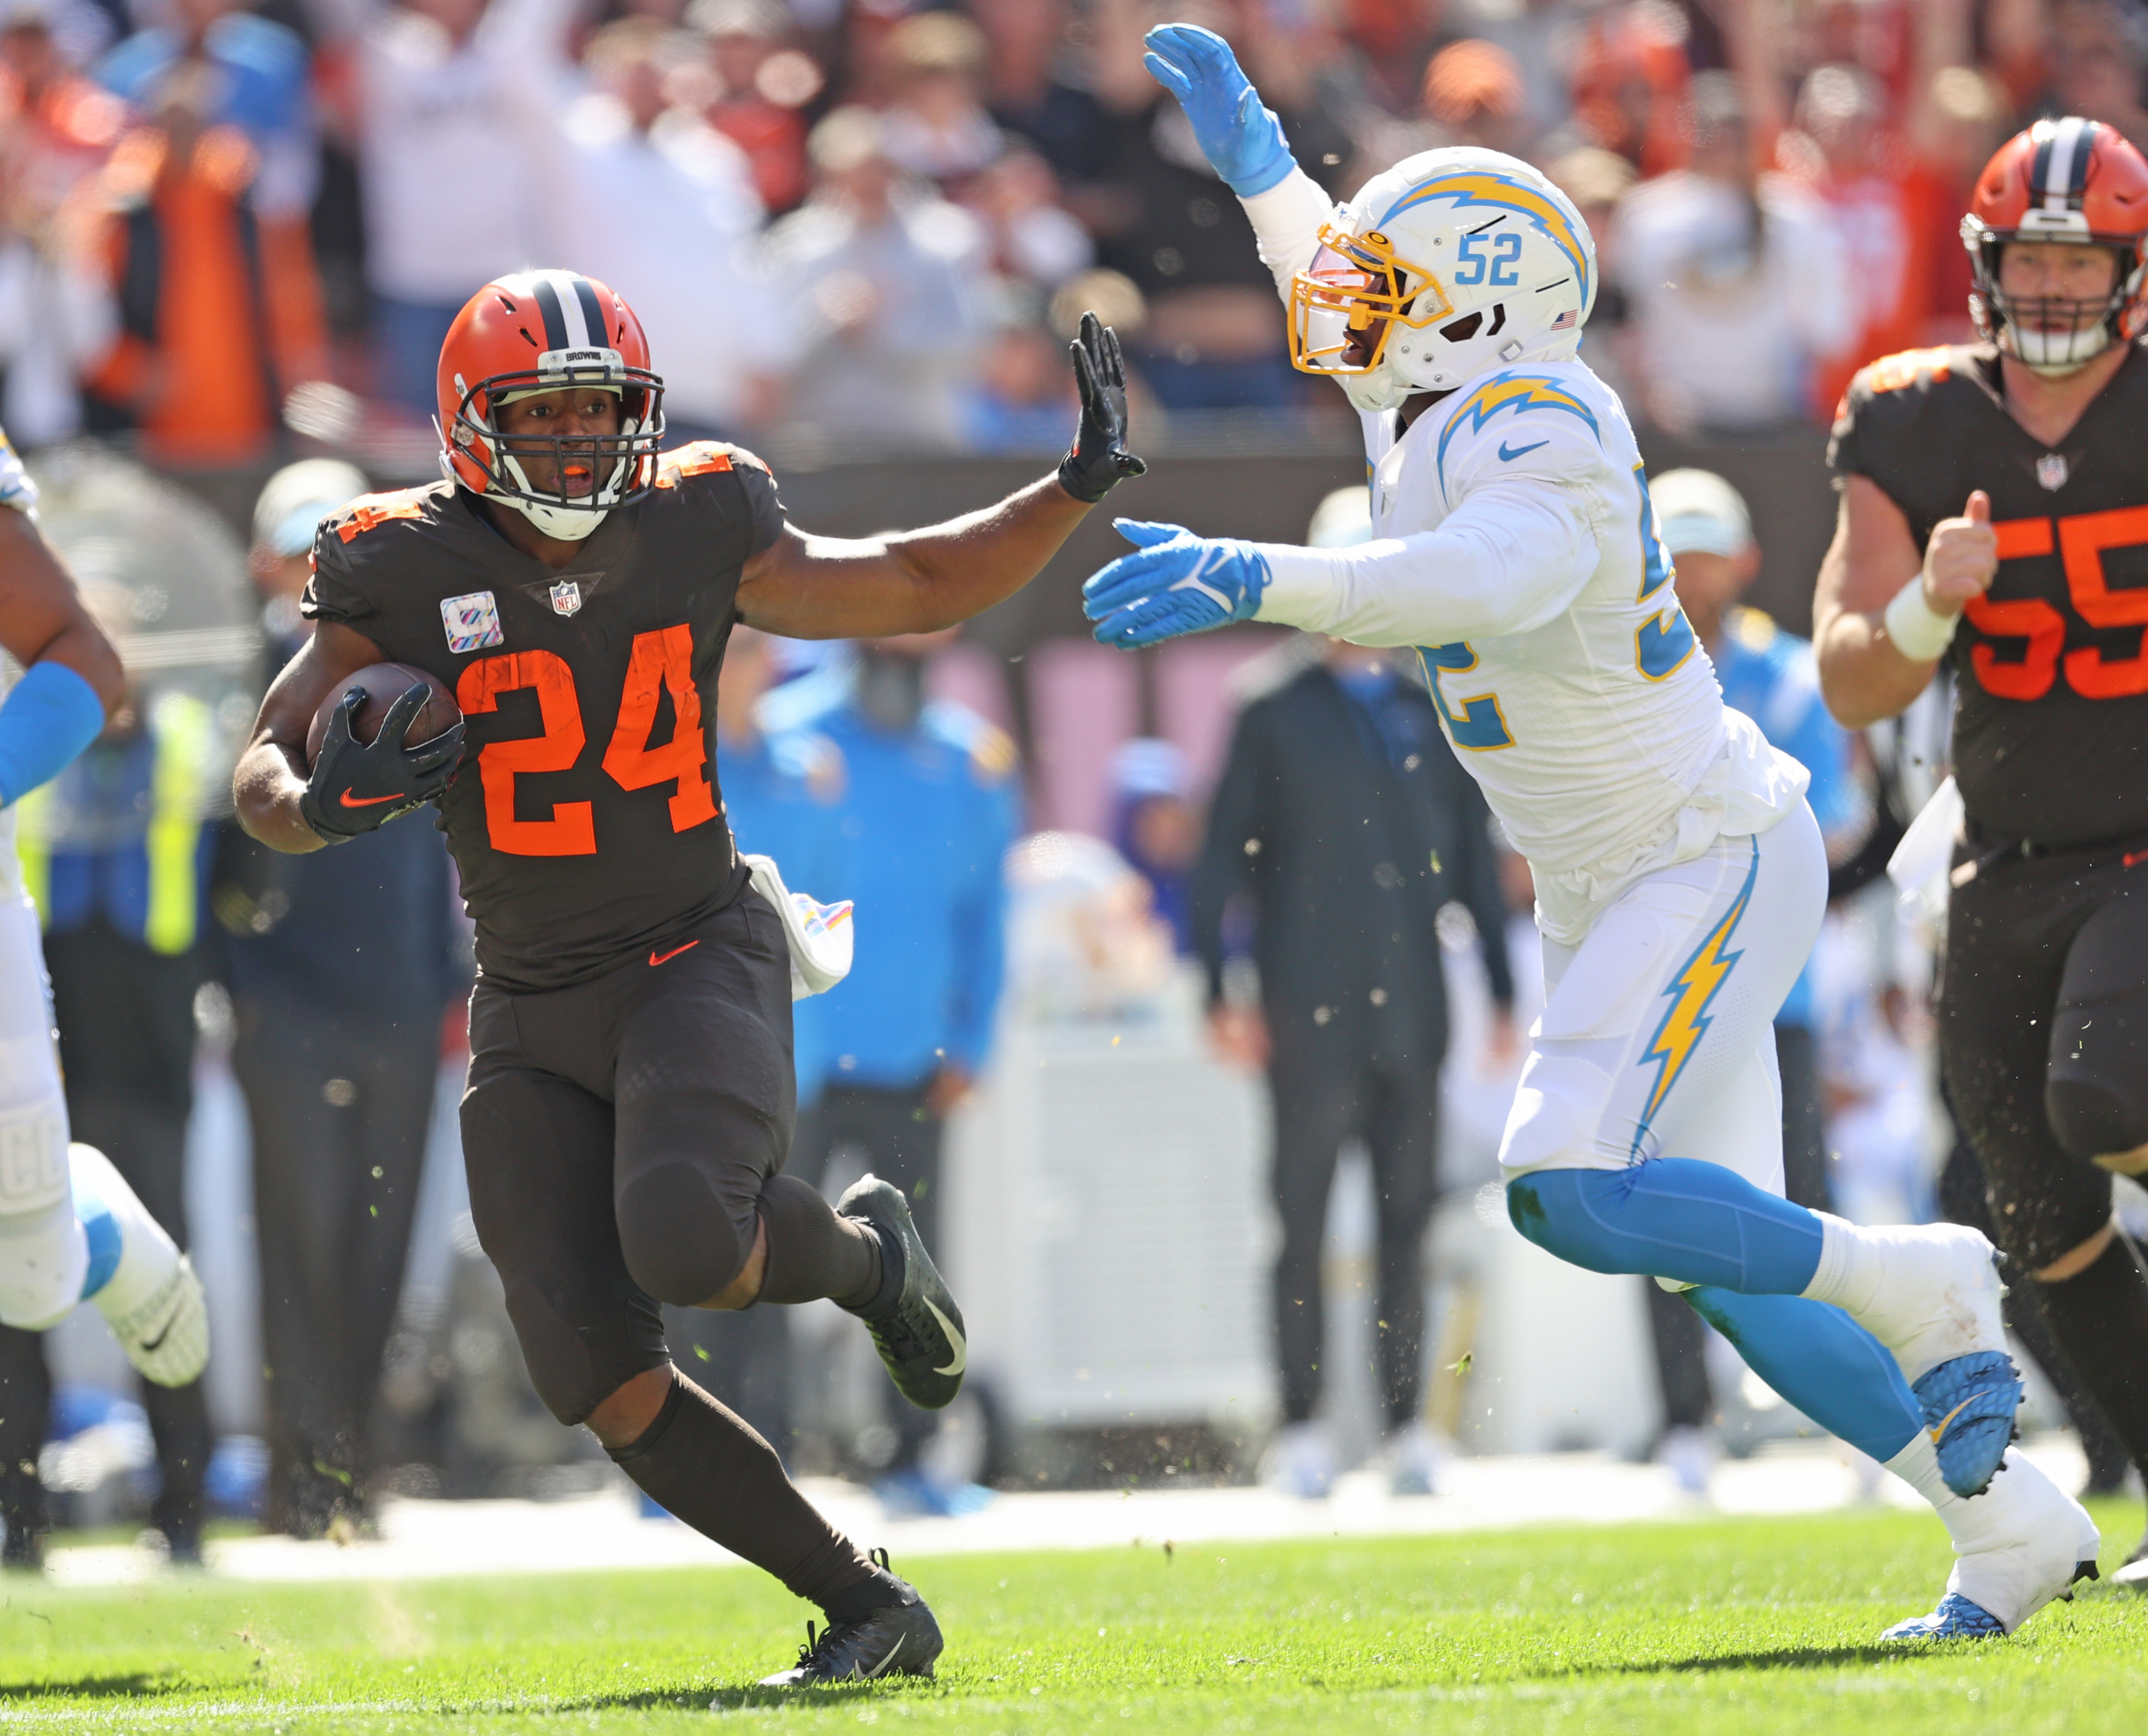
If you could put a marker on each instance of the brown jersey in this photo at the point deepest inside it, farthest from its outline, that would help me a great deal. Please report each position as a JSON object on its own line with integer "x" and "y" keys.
{"x": 2051, "y": 735}
{"x": 586, "y": 820}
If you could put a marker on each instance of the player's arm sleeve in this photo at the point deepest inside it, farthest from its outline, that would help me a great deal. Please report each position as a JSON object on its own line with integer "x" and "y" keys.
{"x": 1232, "y": 839}
{"x": 763, "y": 505}
{"x": 332, "y": 592}
{"x": 981, "y": 931}
{"x": 1286, "y": 220}
{"x": 1513, "y": 556}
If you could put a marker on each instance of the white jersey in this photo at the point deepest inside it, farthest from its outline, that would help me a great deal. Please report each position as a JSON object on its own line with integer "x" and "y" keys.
{"x": 18, "y": 493}
{"x": 1514, "y": 546}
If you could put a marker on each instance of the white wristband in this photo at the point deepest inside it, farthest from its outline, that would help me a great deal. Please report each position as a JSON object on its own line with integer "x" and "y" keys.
{"x": 1920, "y": 632}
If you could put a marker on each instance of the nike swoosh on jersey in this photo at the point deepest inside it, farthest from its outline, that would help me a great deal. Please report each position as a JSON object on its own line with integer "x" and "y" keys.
{"x": 365, "y": 801}
{"x": 658, "y": 958}
{"x": 1519, "y": 451}
{"x": 954, "y": 1336}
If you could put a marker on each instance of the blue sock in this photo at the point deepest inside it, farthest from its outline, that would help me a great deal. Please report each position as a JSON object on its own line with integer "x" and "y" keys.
{"x": 1670, "y": 1218}
{"x": 1822, "y": 1361}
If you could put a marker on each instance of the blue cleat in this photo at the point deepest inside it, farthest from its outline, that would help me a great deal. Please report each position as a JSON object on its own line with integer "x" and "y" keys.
{"x": 1956, "y": 1618}
{"x": 1968, "y": 1404}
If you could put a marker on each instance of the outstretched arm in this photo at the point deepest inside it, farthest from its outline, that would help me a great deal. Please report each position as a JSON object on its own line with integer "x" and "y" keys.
{"x": 1510, "y": 558}
{"x": 1243, "y": 142}
{"x": 819, "y": 587}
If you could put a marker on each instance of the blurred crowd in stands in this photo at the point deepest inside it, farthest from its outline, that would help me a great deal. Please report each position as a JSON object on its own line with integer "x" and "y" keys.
{"x": 873, "y": 221}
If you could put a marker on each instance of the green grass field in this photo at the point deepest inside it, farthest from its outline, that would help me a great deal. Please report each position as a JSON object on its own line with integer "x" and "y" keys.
{"x": 1709, "y": 1627}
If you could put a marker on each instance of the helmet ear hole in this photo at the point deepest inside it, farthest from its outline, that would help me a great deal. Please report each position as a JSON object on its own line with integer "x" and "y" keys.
{"x": 1461, "y": 330}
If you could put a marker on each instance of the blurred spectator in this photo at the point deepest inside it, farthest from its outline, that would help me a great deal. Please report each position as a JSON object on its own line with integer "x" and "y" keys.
{"x": 1770, "y": 677}
{"x": 935, "y": 124}
{"x": 783, "y": 798}
{"x": 1032, "y": 238}
{"x": 453, "y": 197}
{"x": 761, "y": 87}
{"x": 1740, "y": 286}
{"x": 1859, "y": 171}
{"x": 886, "y": 280}
{"x": 256, "y": 81}
{"x": 1473, "y": 91}
{"x": 1033, "y": 91}
{"x": 219, "y": 305}
{"x": 342, "y": 964}
{"x": 56, "y": 311}
{"x": 650, "y": 200}
{"x": 929, "y": 813}
{"x": 2099, "y": 52}
{"x": 1596, "y": 180}
{"x": 1630, "y": 76}
{"x": 1343, "y": 814}
{"x": 1215, "y": 333}
{"x": 1023, "y": 399}
{"x": 1156, "y": 828}
{"x": 1961, "y": 122}
{"x": 113, "y": 851}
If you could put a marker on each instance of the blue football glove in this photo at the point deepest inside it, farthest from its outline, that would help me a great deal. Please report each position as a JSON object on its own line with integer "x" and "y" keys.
{"x": 1173, "y": 584}
{"x": 1239, "y": 135}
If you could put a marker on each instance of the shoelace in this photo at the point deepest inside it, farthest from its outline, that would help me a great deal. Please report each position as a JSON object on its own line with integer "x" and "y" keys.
{"x": 819, "y": 1639}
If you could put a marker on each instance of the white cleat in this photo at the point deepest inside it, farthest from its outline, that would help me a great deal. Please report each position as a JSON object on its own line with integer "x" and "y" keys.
{"x": 1938, "y": 1299}
{"x": 166, "y": 1335}
{"x": 2031, "y": 1541}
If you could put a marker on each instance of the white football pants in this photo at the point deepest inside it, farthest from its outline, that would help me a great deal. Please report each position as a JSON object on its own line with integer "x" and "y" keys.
{"x": 1658, "y": 1034}
{"x": 44, "y": 1254}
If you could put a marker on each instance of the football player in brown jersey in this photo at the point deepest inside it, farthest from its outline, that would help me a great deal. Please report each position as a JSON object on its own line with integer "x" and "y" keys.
{"x": 1994, "y": 514}
{"x": 631, "y": 1100}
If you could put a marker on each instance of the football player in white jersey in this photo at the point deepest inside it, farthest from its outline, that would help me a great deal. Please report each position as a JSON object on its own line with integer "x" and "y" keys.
{"x": 1680, "y": 877}
{"x": 70, "y": 1229}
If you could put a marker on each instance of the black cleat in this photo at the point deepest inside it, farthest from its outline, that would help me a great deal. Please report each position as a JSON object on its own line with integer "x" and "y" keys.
{"x": 914, "y": 1323}
{"x": 898, "y": 1639}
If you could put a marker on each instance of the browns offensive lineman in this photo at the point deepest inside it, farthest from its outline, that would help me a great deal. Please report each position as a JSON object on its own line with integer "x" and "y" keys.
{"x": 2037, "y": 592}
{"x": 631, "y": 1100}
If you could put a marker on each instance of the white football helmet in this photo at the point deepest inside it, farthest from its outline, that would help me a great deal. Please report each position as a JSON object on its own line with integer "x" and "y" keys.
{"x": 1451, "y": 264}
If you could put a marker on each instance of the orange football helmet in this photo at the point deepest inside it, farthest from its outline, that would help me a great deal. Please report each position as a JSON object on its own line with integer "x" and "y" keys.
{"x": 540, "y": 331}
{"x": 2071, "y": 180}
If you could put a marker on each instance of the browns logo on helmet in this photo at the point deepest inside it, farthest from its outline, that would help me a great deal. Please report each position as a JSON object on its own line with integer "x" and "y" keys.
{"x": 544, "y": 331}
{"x": 2076, "y": 182}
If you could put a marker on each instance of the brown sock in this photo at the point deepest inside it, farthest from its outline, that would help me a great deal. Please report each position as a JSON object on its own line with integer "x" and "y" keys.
{"x": 814, "y": 1251}
{"x": 2099, "y": 1318}
{"x": 703, "y": 1465}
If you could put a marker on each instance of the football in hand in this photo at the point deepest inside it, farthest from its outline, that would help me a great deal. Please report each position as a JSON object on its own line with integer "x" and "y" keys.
{"x": 384, "y": 684}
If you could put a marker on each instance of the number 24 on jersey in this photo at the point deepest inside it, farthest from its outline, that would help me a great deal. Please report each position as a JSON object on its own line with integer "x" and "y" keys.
{"x": 661, "y": 661}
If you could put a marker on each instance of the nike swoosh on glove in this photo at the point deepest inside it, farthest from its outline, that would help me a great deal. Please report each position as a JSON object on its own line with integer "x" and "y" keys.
{"x": 1238, "y": 132}
{"x": 356, "y": 788}
{"x": 1174, "y": 583}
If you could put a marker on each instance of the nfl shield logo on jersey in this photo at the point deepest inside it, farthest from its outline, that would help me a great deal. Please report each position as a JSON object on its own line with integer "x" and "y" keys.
{"x": 566, "y": 597}
{"x": 473, "y": 622}
{"x": 2051, "y": 470}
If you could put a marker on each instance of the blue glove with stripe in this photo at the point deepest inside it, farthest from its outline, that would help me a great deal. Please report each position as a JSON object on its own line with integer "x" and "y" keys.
{"x": 1238, "y": 133}
{"x": 1173, "y": 584}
